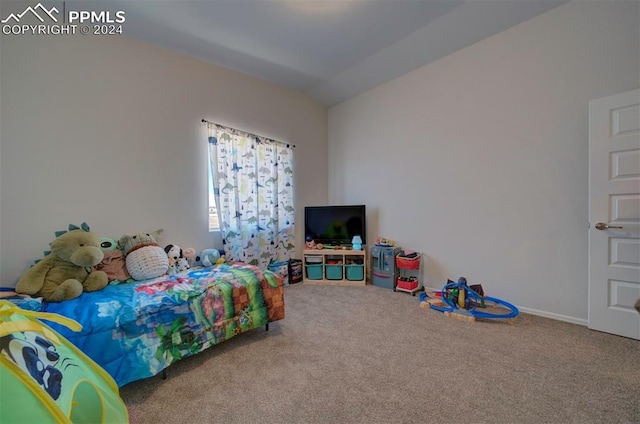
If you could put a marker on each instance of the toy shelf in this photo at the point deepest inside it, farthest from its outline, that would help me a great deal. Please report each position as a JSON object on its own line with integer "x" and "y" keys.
{"x": 334, "y": 267}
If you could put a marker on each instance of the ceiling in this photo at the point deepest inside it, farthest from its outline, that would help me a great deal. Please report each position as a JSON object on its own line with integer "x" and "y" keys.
{"x": 329, "y": 49}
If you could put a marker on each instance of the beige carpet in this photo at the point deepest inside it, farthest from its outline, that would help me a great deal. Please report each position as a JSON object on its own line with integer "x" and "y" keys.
{"x": 369, "y": 355}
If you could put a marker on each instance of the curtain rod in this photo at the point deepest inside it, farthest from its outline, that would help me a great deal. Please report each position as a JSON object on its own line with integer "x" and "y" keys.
{"x": 204, "y": 121}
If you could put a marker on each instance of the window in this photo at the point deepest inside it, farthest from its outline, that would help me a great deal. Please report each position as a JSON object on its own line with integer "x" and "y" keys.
{"x": 251, "y": 198}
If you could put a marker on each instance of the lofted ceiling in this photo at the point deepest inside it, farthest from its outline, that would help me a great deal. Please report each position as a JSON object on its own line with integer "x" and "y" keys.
{"x": 329, "y": 49}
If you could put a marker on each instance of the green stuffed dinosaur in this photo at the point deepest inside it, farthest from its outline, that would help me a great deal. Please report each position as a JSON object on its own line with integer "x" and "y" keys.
{"x": 66, "y": 272}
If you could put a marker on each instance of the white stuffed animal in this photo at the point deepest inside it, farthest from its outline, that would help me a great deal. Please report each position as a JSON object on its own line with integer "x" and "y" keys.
{"x": 177, "y": 262}
{"x": 144, "y": 256}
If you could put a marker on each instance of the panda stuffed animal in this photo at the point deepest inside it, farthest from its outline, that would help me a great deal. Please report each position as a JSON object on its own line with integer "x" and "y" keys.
{"x": 177, "y": 262}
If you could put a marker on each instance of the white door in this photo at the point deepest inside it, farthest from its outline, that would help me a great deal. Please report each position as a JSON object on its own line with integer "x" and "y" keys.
{"x": 614, "y": 214}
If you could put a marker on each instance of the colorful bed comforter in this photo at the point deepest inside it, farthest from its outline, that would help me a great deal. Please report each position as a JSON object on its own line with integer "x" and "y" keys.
{"x": 135, "y": 330}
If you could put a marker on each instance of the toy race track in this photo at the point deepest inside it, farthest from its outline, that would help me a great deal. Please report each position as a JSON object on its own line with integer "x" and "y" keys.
{"x": 458, "y": 300}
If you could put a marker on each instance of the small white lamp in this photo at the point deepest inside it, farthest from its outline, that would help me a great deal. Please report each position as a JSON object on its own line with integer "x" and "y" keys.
{"x": 356, "y": 243}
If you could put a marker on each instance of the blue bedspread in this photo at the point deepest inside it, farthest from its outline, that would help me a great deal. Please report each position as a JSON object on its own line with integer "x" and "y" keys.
{"x": 135, "y": 330}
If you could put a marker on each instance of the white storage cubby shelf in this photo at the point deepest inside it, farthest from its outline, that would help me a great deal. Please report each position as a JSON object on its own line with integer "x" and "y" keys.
{"x": 335, "y": 267}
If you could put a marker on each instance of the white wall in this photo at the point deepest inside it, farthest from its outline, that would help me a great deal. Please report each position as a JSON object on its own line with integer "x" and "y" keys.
{"x": 480, "y": 159}
{"x": 107, "y": 130}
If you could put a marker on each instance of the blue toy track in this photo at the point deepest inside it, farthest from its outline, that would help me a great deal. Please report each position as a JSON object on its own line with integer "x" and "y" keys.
{"x": 472, "y": 301}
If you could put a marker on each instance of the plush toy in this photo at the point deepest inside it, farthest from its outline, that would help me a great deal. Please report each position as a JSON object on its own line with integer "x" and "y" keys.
{"x": 190, "y": 254}
{"x": 67, "y": 271}
{"x": 108, "y": 244}
{"x": 223, "y": 257}
{"x": 144, "y": 256}
{"x": 177, "y": 262}
{"x": 309, "y": 243}
{"x": 114, "y": 263}
{"x": 209, "y": 257}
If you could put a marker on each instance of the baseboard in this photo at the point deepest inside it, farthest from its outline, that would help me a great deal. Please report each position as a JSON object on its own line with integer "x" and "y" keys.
{"x": 559, "y": 317}
{"x": 544, "y": 314}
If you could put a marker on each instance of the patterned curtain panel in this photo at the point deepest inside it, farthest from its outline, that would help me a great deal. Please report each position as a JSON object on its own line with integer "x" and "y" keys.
{"x": 253, "y": 187}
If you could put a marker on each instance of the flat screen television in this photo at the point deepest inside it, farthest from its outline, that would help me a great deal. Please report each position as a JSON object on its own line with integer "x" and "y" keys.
{"x": 335, "y": 225}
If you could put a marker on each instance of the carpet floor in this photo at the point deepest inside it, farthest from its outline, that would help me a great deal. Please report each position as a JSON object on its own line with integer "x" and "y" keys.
{"x": 370, "y": 355}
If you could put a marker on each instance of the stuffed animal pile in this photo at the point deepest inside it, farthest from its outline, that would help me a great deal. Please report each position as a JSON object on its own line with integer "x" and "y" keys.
{"x": 177, "y": 262}
{"x": 67, "y": 270}
{"x": 80, "y": 261}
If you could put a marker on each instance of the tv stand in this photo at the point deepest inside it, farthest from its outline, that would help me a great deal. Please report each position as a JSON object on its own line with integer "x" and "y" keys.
{"x": 335, "y": 267}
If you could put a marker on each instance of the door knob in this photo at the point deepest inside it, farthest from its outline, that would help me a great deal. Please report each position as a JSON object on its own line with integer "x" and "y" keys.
{"x": 602, "y": 226}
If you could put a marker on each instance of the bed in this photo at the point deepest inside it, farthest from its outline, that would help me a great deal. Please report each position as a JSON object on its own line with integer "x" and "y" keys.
{"x": 136, "y": 330}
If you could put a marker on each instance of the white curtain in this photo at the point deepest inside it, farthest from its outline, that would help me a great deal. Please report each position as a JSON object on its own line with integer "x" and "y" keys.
{"x": 253, "y": 186}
